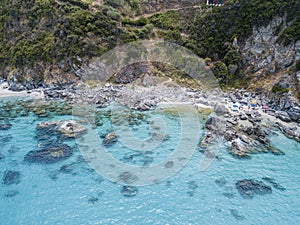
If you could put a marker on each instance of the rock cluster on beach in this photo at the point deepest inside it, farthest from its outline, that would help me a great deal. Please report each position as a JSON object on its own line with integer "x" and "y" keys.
{"x": 246, "y": 129}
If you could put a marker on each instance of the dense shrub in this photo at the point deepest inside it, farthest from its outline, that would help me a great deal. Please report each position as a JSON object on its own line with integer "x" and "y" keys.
{"x": 167, "y": 20}
{"x": 278, "y": 89}
{"x": 210, "y": 34}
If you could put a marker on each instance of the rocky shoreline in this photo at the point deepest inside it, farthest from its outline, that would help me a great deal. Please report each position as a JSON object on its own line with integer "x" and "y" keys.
{"x": 243, "y": 120}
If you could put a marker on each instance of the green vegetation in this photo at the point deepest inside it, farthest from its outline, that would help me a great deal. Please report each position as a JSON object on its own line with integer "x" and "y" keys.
{"x": 168, "y": 20}
{"x": 46, "y": 31}
{"x": 220, "y": 71}
{"x": 298, "y": 65}
{"x": 211, "y": 34}
{"x": 291, "y": 33}
{"x": 278, "y": 89}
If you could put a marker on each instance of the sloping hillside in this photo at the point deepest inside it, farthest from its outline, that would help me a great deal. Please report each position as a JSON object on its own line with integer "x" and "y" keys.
{"x": 45, "y": 42}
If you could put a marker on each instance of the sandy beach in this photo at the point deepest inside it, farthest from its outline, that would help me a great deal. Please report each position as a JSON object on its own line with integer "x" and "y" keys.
{"x": 4, "y": 92}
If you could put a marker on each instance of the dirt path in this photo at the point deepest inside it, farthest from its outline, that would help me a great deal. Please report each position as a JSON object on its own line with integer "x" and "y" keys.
{"x": 165, "y": 10}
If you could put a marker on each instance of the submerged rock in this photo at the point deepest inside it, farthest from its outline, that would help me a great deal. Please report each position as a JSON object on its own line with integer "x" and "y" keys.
{"x": 220, "y": 109}
{"x": 5, "y": 139}
{"x": 5, "y": 125}
{"x": 221, "y": 182}
{"x": 13, "y": 149}
{"x": 48, "y": 155}
{"x": 1, "y": 156}
{"x": 110, "y": 139}
{"x": 274, "y": 183}
{"x": 11, "y": 177}
{"x": 129, "y": 191}
{"x": 63, "y": 128}
{"x": 169, "y": 164}
{"x": 11, "y": 193}
{"x": 93, "y": 200}
{"x": 128, "y": 177}
{"x": 249, "y": 188}
{"x": 193, "y": 185}
{"x": 236, "y": 214}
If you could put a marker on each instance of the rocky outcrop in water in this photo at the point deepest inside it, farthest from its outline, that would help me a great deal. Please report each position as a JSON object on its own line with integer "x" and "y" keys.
{"x": 250, "y": 188}
{"x": 49, "y": 155}
{"x": 129, "y": 191}
{"x": 110, "y": 139}
{"x": 62, "y": 128}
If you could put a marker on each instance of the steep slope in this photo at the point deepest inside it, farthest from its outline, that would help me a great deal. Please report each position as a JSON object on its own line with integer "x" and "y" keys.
{"x": 46, "y": 42}
{"x": 251, "y": 40}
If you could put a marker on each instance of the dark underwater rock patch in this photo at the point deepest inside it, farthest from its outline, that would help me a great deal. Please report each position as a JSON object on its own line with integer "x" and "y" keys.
{"x": 13, "y": 149}
{"x": 49, "y": 155}
{"x": 129, "y": 191}
{"x": 192, "y": 185}
{"x": 5, "y": 125}
{"x": 93, "y": 200}
{"x": 273, "y": 183}
{"x": 4, "y": 139}
{"x": 11, "y": 177}
{"x": 147, "y": 160}
{"x": 236, "y": 214}
{"x": 1, "y": 156}
{"x": 169, "y": 164}
{"x": 128, "y": 177}
{"x": 249, "y": 188}
{"x": 11, "y": 193}
{"x": 221, "y": 182}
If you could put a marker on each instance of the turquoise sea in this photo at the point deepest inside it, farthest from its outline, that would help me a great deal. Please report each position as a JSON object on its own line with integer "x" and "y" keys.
{"x": 71, "y": 192}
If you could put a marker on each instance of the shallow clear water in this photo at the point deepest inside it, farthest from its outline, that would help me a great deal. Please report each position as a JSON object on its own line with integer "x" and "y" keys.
{"x": 48, "y": 195}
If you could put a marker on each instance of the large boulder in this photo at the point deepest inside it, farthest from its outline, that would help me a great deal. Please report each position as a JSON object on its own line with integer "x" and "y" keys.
{"x": 220, "y": 109}
{"x": 63, "y": 128}
{"x": 49, "y": 155}
{"x": 250, "y": 188}
{"x": 215, "y": 124}
{"x": 294, "y": 114}
{"x": 284, "y": 116}
{"x": 110, "y": 139}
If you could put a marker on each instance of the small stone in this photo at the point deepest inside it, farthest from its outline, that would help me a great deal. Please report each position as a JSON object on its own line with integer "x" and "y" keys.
{"x": 169, "y": 164}
{"x": 128, "y": 177}
{"x": 93, "y": 200}
{"x": 221, "y": 182}
{"x": 129, "y": 191}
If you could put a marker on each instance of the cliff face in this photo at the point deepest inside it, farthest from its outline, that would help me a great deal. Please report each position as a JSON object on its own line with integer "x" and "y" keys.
{"x": 255, "y": 43}
{"x": 46, "y": 42}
